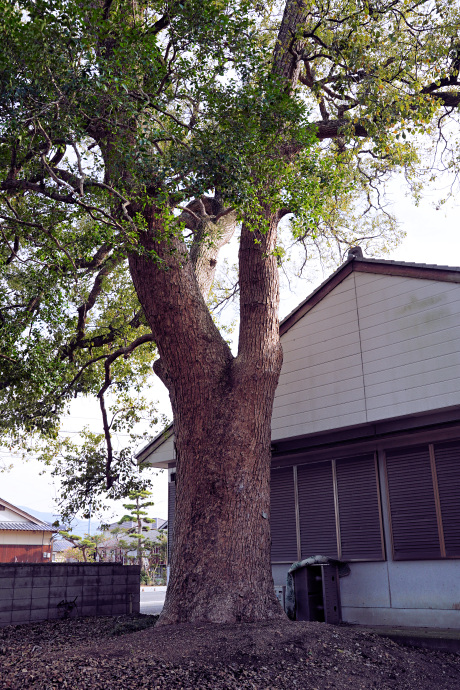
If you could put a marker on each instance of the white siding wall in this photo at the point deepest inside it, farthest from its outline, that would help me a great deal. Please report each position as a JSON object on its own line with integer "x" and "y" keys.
{"x": 321, "y": 384}
{"x": 163, "y": 454}
{"x": 376, "y": 347}
{"x": 10, "y": 516}
{"x": 410, "y": 337}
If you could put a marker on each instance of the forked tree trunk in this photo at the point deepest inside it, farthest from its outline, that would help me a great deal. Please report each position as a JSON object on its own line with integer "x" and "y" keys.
{"x": 222, "y": 405}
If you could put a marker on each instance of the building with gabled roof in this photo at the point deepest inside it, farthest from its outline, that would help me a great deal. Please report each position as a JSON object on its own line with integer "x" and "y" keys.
{"x": 366, "y": 440}
{"x": 23, "y": 537}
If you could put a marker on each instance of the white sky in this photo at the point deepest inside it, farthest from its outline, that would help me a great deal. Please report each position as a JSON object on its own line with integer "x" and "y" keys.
{"x": 432, "y": 237}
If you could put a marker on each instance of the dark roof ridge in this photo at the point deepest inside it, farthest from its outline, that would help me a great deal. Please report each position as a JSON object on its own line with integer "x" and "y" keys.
{"x": 370, "y": 260}
{"x": 26, "y": 527}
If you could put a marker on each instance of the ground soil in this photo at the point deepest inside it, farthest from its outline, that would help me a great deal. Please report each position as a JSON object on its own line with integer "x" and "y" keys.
{"x": 112, "y": 653}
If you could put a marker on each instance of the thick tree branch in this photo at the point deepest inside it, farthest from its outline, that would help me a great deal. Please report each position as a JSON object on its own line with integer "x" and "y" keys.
{"x": 14, "y": 251}
{"x": 213, "y": 226}
{"x": 98, "y": 258}
{"x": 105, "y": 339}
{"x": 259, "y": 291}
{"x": 84, "y": 308}
{"x": 160, "y": 25}
{"x": 177, "y": 314}
{"x": 331, "y": 129}
{"x": 288, "y": 50}
{"x": 450, "y": 99}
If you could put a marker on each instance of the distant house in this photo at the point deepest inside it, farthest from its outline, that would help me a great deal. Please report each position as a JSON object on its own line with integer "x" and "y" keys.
{"x": 23, "y": 537}
{"x": 112, "y": 547}
{"x": 60, "y": 547}
{"x": 366, "y": 440}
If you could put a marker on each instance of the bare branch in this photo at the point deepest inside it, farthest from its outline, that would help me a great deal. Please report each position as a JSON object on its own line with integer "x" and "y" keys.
{"x": 125, "y": 352}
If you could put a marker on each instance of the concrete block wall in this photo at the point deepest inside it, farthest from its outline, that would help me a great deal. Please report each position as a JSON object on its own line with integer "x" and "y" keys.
{"x": 32, "y": 592}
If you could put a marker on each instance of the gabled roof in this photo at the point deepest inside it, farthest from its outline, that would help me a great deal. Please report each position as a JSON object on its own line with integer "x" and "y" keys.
{"x": 22, "y": 513}
{"x": 355, "y": 262}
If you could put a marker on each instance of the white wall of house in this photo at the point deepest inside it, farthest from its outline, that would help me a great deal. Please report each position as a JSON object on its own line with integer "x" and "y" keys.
{"x": 321, "y": 384}
{"x": 163, "y": 454}
{"x": 22, "y": 538}
{"x": 8, "y": 515}
{"x": 374, "y": 348}
{"x": 410, "y": 335}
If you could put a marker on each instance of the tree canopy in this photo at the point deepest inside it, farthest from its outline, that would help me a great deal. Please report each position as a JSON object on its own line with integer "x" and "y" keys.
{"x": 184, "y": 119}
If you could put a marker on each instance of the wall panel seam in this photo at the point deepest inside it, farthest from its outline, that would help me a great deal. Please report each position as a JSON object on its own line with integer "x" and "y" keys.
{"x": 360, "y": 347}
{"x": 297, "y": 514}
{"x": 336, "y": 509}
{"x": 437, "y": 501}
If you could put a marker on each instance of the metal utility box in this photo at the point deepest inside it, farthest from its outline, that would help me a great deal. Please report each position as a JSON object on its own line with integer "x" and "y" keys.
{"x": 317, "y": 594}
{"x": 280, "y": 593}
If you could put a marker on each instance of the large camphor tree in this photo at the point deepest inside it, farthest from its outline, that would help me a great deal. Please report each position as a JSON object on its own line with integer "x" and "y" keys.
{"x": 135, "y": 139}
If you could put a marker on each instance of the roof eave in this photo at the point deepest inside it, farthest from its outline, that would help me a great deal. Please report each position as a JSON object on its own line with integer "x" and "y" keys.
{"x": 155, "y": 443}
{"x": 25, "y": 527}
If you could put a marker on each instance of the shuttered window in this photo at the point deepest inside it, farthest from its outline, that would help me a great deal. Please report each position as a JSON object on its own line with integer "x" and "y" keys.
{"x": 361, "y": 533}
{"x": 412, "y": 504}
{"x": 447, "y": 462}
{"x": 318, "y": 534}
{"x": 424, "y": 500}
{"x": 338, "y": 510}
{"x": 282, "y": 516}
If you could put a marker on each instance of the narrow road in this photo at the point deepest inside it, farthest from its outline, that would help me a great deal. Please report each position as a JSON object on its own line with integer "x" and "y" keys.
{"x": 152, "y": 599}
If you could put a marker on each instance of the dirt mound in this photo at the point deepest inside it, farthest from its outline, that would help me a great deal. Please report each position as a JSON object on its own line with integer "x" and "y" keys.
{"x": 105, "y": 653}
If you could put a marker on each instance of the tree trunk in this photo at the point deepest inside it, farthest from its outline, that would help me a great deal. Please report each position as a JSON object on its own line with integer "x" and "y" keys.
{"x": 222, "y": 405}
{"x": 220, "y": 569}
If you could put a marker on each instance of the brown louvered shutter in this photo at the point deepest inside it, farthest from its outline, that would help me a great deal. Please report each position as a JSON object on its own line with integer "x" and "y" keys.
{"x": 359, "y": 509}
{"x": 447, "y": 458}
{"x": 171, "y": 514}
{"x": 316, "y": 509}
{"x": 282, "y": 516}
{"x": 412, "y": 504}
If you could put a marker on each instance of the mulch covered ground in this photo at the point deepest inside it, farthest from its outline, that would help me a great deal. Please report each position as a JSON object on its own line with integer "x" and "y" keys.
{"x": 112, "y": 653}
